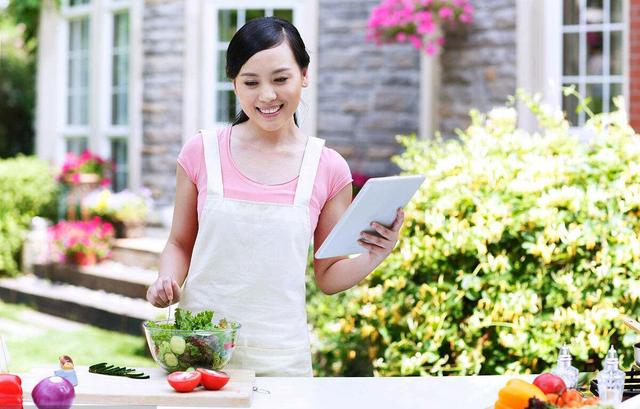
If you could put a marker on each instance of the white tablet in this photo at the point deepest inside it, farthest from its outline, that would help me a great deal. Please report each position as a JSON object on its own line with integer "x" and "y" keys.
{"x": 378, "y": 201}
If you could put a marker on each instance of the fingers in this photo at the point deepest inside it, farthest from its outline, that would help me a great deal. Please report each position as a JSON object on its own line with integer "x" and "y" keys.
{"x": 168, "y": 289}
{"x": 164, "y": 292}
{"x": 386, "y": 238}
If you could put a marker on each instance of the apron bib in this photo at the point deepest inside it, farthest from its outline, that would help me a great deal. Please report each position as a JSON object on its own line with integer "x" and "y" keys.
{"x": 248, "y": 265}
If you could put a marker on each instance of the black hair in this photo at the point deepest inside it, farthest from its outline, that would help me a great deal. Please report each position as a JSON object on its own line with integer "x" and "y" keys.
{"x": 258, "y": 35}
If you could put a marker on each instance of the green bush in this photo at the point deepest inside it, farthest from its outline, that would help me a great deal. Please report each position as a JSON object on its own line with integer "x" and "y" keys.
{"x": 27, "y": 189}
{"x": 515, "y": 244}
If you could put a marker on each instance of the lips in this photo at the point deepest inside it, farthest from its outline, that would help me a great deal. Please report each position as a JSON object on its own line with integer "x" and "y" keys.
{"x": 269, "y": 112}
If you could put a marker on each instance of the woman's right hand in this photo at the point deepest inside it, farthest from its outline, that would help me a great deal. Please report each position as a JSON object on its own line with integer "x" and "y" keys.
{"x": 164, "y": 292}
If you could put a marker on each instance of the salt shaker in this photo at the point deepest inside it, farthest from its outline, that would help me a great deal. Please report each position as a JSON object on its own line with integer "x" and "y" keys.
{"x": 563, "y": 369}
{"x": 611, "y": 380}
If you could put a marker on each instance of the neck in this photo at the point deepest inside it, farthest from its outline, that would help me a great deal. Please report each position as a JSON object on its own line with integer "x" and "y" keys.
{"x": 285, "y": 134}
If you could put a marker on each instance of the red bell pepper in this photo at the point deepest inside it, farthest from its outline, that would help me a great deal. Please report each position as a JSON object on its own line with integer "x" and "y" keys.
{"x": 10, "y": 391}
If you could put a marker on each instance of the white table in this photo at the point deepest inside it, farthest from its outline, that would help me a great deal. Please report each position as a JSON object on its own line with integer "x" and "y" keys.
{"x": 452, "y": 392}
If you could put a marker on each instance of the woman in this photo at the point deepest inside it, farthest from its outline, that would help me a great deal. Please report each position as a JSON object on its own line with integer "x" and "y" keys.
{"x": 248, "y": 199}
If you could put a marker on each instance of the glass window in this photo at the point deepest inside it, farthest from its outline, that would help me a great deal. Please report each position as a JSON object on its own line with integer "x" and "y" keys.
{"x": 592, "y": 54}
{"x": 229, "y": 20}
{"x": 120, "y": 70}
{"x": 76, "y": 145}
{"x": 119, "y": 157}
{"x": 78, "y": 72}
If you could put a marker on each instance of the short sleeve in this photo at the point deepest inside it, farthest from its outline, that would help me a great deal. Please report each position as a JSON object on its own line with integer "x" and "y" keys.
{"x": 191, "y": 158}
{"x": 340, "y": 174}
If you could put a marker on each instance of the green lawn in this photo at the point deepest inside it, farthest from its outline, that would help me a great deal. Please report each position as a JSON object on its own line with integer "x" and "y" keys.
{"x": 33, "y": 340}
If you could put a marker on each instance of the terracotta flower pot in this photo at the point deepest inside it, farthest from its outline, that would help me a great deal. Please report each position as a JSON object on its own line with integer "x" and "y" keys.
{"x": 85, "y": 259}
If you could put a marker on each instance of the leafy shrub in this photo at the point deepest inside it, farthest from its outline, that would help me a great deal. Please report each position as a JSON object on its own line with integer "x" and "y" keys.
{"x": 27, "y": 189}
{"x": 515, "y": 244}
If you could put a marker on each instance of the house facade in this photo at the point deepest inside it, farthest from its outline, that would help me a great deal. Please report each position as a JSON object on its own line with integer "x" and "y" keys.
{"x": 132, "y": 80}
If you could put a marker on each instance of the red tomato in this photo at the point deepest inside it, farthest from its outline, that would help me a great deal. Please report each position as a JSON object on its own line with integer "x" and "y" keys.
{"x": 213, "y": 380}
{"x": 184, "y": 381}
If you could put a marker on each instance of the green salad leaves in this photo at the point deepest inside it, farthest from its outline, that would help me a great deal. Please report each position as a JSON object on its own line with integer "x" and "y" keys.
{"x": 209, "y": 345}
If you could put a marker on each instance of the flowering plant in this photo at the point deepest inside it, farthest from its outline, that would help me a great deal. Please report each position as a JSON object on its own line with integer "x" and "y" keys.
{"x": 416, "y": 21}
{"x": 86, "y": 163}
{"x": 82, "y": 237}
{"x": 125, "y": 206}
{"x": 359, "y": 179}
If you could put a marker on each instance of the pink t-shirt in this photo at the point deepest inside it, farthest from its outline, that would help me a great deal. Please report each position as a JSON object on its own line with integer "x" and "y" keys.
{"x": 332, "y": 176}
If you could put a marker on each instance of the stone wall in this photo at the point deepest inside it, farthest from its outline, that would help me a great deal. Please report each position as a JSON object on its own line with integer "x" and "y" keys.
{"x": 163, "y": 47}
{"x": 478, "y": 64}
{"x": 366, "y": 94}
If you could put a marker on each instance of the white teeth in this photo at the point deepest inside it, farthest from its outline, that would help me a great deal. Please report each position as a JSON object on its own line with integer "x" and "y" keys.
{"x": 270, "y": 110}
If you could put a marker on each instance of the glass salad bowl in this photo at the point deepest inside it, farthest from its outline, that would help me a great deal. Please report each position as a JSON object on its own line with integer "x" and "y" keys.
{"x": 179, "y": 350}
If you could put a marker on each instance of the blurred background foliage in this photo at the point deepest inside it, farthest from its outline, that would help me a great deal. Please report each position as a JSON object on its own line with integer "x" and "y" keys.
{"x": 18, "y": 48}
{"x": 516, "y": 243}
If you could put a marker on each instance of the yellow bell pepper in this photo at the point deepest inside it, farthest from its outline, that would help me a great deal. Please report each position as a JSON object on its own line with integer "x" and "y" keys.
{"x": 516, "y": 394}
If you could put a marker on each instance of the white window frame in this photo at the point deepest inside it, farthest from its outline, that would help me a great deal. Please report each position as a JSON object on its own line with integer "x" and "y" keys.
{"x": 99, "y": 130}
{"x": 539, "y": 53}
{"x": 201, "y": 58}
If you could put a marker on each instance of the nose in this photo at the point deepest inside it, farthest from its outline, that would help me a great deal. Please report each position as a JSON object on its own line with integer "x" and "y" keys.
{"x": 267, "y": 93}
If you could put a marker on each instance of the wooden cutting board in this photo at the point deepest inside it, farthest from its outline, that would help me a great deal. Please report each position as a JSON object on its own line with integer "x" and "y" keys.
{"x": 104, "y": 389}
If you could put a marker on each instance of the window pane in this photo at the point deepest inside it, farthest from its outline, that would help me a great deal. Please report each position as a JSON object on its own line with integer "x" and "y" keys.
{"x": 254, "y": 13}
{"x": 222, "y": 61}
{"x": 569, "y": 105}
{"x": 119, "y": 157}
{"x": 120, "y": 67}
{"x": 76, "y": 145}
{"x": 616, "y": 11}
{"x": 226, "y": 104}
{"x": 285, "y": 14}
{"x": 615, "y": 90}
{"x": 570, "y": 14}
{"x": 570, "y": 54}
{"x": 227, "y": 24}
{"x": 595, "y": 92}
{"x": 78, "y": 2}
{"x": 616, "y": 53}
{"x": 595, "y": 61}
{"x": 78, "y": 72}
{"x": 595, "y": 12}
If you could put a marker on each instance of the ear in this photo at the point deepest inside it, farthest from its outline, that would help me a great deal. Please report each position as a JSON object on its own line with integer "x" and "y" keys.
{"x": 305, "y": 78}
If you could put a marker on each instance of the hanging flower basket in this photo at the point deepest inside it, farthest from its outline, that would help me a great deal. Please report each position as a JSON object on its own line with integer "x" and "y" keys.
{"x": 417, "y": 22}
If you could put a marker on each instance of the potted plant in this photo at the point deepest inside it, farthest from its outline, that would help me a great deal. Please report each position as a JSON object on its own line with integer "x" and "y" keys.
{"x": 82, "y": 242}
{"x": 86, "y": 168}
{"x": 417, "y": 22}
{"x": 126, "y": 210}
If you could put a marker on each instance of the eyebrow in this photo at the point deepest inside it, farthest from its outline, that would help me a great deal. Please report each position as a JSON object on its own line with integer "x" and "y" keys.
{"x": 279, "y": 70}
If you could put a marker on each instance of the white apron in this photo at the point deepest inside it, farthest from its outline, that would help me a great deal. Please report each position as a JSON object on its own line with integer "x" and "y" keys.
{"x": 248, "y": 265}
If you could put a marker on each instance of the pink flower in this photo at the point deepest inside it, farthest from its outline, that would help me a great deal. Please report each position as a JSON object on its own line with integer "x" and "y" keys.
{"x": 416, "y": 41}
{"x": 446, "y": 12}
{"x": 401, "y": 37}
{"x": 431, "y": 48}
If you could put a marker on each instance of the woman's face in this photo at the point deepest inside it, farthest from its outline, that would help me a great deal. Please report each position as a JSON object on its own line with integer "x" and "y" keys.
{"x": 268, "y": 87}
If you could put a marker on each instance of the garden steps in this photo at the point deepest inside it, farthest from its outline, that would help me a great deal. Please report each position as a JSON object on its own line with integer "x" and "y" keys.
{"x": 110, "y": 276}
{"x": 141, "y": 252}
{"x": 96, "y": 307}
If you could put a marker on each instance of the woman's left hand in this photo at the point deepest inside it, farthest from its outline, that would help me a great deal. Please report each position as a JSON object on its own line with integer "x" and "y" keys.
{"x": 380, "y": 245}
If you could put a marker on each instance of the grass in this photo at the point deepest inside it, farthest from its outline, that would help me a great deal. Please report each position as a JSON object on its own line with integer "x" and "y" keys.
{"x": 86, "y": 345}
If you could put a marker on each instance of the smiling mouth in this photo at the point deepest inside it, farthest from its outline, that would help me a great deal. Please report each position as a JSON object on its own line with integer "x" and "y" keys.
{"x": 271, "y": 110}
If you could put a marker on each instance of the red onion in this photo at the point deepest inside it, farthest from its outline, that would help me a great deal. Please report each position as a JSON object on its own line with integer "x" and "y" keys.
{"x": 53, "y": 392}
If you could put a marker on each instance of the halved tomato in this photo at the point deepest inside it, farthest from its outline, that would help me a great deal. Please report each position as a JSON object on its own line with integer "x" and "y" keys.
{"x": 213, "y": 380}
{"x": 184, "y": 381}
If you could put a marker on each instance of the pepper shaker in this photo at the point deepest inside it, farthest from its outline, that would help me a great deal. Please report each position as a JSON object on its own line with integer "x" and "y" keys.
{"x": 563, "y": 368}
{"x": 611, "y": 380}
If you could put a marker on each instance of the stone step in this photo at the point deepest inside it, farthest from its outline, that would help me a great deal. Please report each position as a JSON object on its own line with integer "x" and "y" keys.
{"x": 110, "y": 276}
{"x": 141, "y": 252}
{"x": 96, "y": 307}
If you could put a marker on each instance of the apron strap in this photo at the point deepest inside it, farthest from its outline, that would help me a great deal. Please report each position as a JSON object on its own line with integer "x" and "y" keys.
{"x": 308, "y": 171}
{"x": 212, "y": 162}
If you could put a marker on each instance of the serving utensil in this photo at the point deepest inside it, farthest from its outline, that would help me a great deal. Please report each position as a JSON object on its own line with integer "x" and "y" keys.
{"x": 4, "y": 356}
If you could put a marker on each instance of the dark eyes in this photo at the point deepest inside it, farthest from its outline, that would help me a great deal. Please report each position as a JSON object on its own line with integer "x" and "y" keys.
{"x": 280, "y": 80}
